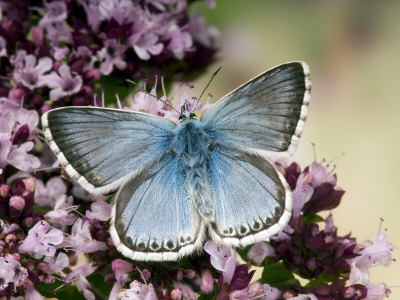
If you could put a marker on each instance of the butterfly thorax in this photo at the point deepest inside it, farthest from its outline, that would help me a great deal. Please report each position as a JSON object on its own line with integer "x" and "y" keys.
{"x": 191, "y": 147}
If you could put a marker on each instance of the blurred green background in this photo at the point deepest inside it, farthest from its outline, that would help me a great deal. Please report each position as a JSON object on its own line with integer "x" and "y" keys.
{"x": 353, "y": 50}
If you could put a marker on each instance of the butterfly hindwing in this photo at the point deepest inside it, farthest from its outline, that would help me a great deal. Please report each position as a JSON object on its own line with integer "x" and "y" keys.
{"x": 253, "y": 200}
{"x": 267, "y": 113}
{"x": 154, "y": 217}
{"x": 101, "y": 148}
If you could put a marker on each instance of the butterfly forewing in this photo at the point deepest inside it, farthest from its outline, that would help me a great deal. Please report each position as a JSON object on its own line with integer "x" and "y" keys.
{"x": 265, "y": 114}
{"x": 100, "y": 148}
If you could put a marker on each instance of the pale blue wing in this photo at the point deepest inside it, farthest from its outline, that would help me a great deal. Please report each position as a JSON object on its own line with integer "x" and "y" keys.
{"x": 267, "y": 113}
{"x": 252, "y": 199}
{"x": 153, "y": 217}
{"x": 102, "y": 148}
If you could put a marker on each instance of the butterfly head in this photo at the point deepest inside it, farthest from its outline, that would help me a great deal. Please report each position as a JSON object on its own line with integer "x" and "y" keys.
{"x": 186, "y": 114}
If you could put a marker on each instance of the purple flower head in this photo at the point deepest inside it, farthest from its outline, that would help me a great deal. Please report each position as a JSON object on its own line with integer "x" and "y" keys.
{"x": 201, "y": 33}
{"x": 320, "y": 174}
{"x": 146, "y": 45}
{"x": 253, "y": 291}
{"x": 148, "y": 102}
{"x": 370, "y": 254}
{"x": 100, "y": 211}
{"x": 82, "y": 60}
{"x": 138, "y": 291}
{"x": 259, "y": 251}
{"x": 41, "y": 241}
{"x": 222, "y": 260}
{"x": 14, "y": 136}
{"x": 271, "y": 293}
{"x": 30, "y": 72}
{"x": 301, "y": 195}
{"x": 55, "y": 265}
{"x": 20, "y": 273}
{"x": 65, "y": 83}
{"x": 79, "y": 277}
{"x": 56, "y": 12}
{"x": 59, "y": 53}
{"x": 47, "y": 195}
{"x": 377, "y": 291}
{"x": 7, "y": 273}
{"x": 112, "y": 55}
{"x": 81, "y": 239}
{"x": 179, "y": 42}
{"x": 187, "y": 292}
{"x": 61, "y": 215}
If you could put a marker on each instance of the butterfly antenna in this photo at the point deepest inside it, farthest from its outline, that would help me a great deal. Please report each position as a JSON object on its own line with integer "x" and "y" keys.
{"x": 208, "y": 84}
{"x": 141, "y": 89}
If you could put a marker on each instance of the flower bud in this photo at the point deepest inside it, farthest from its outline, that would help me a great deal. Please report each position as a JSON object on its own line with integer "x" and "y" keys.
{"x": 176, "y": 294}
{"x": 30, "y": 184}
{"x": 38, "y": 36}
{"x": 4, "y": 190}
{"x": 122, "y": 266}
{"x": 189, "y": 273}
{"x": 146, "y": 274}
{"x": 43, "y": 266}
{"x": 17, "y": 204}
{"x": 11, "y": 237}
{"x": 27, "y": 222}
{"x": 207, "y": 281}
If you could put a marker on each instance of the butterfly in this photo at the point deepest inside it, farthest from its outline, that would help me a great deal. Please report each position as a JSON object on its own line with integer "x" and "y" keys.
{"x": 178, "y": 184}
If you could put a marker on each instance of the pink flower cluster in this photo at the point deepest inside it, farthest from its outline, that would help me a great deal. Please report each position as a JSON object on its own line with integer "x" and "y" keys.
{"x": 58, "y": 49}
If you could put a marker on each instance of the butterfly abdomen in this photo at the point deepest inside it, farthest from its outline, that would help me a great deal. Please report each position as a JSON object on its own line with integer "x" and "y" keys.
{"x": 191, "y": 147}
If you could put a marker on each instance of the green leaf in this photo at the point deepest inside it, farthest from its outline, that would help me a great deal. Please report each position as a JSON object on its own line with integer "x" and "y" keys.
{"x": 97, "y": 282}
{"x": 211, "y": 296}
{"x": 313, "y": 219}
{"x": 277, "y": 275}
{"x": 112, "y": 86}
{"x": 65, "y": 292}
{"x": 243, "y": 252}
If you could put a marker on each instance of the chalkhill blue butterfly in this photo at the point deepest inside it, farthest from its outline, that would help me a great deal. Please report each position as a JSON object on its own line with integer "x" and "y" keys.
{"x": 177, "y": 185}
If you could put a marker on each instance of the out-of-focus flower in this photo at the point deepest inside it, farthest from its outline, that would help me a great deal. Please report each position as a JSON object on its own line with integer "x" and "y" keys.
{"x": 65, "y": 83}
{"x": 200, "y": 32}
{"x": 146, "y": 45}
{"x": 112, "y": 55}
{"x": 29, "y": 73}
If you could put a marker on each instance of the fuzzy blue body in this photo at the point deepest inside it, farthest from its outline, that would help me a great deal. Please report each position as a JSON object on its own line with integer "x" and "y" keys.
{"x": 191, "y": 146}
